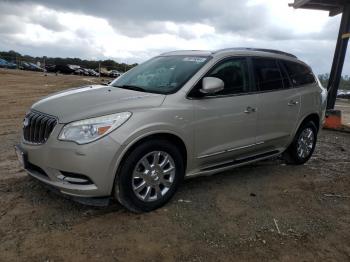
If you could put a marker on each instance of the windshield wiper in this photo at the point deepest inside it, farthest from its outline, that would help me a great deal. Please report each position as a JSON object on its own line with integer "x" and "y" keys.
{"x": 131, "y": 87}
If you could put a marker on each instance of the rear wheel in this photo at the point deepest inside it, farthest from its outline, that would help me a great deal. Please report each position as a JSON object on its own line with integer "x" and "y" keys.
{"x": 149, "y": 176}
{"x": 303, "y": 145}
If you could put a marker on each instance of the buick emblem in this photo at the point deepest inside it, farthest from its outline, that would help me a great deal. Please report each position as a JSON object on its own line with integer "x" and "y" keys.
{"x": 25, "y": 122}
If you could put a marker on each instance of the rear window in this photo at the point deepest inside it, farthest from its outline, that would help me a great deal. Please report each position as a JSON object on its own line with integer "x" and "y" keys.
{"x": 299, "y": 74}
{"x": 268, "y": 76}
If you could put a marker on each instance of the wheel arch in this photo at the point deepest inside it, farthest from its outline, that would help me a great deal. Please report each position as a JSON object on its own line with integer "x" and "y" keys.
{"x": 171, "y": 137}
{"x": 314, "y": 117}
{"x": 289, "y": 154}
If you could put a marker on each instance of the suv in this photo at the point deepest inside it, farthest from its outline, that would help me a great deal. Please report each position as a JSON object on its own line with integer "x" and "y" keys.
{"x": 180, "y": 114}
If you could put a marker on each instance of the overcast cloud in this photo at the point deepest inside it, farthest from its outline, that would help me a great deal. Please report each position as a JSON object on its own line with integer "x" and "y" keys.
{"x": 133, "y": 31}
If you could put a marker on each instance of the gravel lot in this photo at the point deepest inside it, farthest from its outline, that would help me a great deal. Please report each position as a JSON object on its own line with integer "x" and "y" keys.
{"x": 263, "y": 212}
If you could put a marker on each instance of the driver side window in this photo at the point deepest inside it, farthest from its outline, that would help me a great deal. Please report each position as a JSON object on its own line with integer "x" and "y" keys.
{"x": 233, "y": 72}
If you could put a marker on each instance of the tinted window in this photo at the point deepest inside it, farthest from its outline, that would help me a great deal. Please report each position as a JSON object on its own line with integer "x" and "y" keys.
{"x": 234, "y": 73}
{"x": 299, "y": 74}
{"x": 286, "y": 80}
{"x": 267, "y": 74}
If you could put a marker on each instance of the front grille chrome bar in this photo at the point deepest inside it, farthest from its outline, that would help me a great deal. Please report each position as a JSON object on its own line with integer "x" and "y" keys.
{"x": 37, "y": 127}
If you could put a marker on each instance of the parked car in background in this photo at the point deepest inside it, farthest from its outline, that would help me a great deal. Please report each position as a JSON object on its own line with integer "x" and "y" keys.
{"x": 104, "y": 71}
{"x": 180, "y": 114}
{"x": 50, "y": 68}
{"x": 92, "y": 72}
{"x": 30, "y": 66}
{"x": 6, "y": 64}
{"x": 114, "y": 73}
{"x": 343, "y": 94}
{"x": 66, "y": 69}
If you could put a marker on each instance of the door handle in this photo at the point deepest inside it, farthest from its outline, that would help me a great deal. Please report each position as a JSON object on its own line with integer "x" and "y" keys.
{"x": 293, "y": 103}
{"x": 249, "y": 110}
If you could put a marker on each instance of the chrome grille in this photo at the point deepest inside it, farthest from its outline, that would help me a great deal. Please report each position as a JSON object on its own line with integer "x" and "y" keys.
{"x": 37, "y": 127}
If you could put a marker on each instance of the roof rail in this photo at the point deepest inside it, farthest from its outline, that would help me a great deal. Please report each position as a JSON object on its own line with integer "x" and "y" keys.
{"x": 258, "y": 50}
{"x": 179, "y": 51}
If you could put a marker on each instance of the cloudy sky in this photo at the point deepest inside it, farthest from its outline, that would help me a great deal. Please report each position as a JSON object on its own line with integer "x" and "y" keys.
{"x": 133, "y": 31}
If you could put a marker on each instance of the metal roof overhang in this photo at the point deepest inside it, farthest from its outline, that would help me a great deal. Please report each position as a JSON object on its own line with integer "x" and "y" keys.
{"x": 334, "y": 7}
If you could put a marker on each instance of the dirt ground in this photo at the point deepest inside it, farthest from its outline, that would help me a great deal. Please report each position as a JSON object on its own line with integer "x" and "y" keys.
{"x": 267, "y": 211}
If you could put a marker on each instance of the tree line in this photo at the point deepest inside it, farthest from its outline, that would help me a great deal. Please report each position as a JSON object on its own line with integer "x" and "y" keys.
{"x": 344, "y": 82}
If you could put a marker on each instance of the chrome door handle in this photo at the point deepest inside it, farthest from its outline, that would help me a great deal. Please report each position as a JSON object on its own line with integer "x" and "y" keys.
{"x": 249, "y": 110}
{"x": 293, "y": 103}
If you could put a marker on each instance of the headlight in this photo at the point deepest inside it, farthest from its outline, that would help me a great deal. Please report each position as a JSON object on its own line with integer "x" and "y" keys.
{"x": 88, "y": 130}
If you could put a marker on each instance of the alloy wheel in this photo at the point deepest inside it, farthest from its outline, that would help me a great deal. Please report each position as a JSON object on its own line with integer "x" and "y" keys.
{"x": 305, "y": 143}
{"x": 153, "y": 176}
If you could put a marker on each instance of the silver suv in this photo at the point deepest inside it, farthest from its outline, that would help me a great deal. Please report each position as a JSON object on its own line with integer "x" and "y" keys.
{"x": 180, "y": 114}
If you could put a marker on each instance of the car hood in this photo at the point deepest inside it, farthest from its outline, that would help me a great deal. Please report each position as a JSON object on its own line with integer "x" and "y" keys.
{"x": 93, "y": 101}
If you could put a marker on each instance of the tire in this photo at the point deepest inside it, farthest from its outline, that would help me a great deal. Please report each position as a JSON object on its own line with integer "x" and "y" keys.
{"x": 142, "y": 187}
{"x": 293, "y": 155}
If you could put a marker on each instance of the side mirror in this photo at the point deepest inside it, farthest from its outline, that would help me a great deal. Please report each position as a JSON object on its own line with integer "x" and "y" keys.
{"x": 212, "y": 85}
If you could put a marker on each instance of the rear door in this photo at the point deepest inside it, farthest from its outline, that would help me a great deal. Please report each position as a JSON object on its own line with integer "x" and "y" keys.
{"x": 304, "y": 82}
{"x": 278, "y": 104}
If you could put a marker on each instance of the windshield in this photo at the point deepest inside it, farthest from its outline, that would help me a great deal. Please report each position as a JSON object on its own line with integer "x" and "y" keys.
{"x": 163, "y": 74}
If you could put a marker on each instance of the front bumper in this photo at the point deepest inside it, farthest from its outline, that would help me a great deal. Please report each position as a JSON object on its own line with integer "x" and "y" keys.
{"x": 66, "y": 165}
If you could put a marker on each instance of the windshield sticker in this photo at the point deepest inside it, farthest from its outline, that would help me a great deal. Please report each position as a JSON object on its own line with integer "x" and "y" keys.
{"x": 194, "y": 59}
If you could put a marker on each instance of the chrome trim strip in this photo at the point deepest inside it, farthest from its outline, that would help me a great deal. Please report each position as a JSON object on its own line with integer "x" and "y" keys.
{"x": 238, "y": 148}
{"x": 72, "y": 179}
{"x": 221, "y": 169}
{"x": 213, "y": 154}
{"x": 230, "y": 150}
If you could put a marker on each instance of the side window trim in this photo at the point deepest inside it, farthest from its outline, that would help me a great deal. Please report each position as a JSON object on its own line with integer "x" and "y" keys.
{"x": 283, "y": 62}
{"x": 252, "y": 86}
{"x": 283, "y": 68}
{"x": 223, "y": 60}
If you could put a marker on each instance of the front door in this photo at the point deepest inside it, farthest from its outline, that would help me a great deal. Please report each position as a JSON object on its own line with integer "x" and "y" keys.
{"x": 225, "y": 125}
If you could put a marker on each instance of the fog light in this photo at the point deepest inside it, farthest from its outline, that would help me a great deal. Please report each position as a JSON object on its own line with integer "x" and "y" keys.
{"x": 75, "y": 179}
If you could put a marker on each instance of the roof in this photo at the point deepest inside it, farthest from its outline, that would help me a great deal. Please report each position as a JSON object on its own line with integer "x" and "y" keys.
{"x": 270, "y": 51}
{"x": 334, "y": 7}
{"x": 245, "y": 50}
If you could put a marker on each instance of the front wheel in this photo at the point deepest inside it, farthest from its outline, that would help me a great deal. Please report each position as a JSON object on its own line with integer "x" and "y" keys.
{"x": 303, "y": 145}
{"x": 149, "y": 176}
